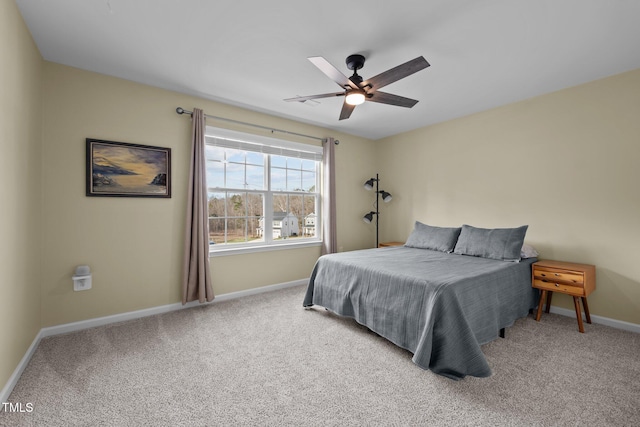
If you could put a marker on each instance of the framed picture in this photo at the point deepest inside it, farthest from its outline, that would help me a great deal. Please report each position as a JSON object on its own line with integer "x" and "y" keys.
{"x": 118, "y": 169}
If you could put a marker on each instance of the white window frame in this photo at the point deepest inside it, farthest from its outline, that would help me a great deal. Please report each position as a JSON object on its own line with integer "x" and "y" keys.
{"x": 274, "y": 146}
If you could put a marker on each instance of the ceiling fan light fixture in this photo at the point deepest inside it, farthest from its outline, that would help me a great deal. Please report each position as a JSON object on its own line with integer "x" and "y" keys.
{"x": 356, "y": 91}
{"x": 355, "y": 97}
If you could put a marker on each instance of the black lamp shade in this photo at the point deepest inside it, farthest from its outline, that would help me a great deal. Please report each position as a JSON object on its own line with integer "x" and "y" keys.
{"x": 369, "y": 184}
{"x": 368, "y": 217}
{"x": 386, "y": 197}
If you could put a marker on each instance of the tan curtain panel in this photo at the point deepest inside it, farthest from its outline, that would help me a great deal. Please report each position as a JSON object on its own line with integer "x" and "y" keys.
{"x": 329, "y": 237}
{"x": 196, "y": 280}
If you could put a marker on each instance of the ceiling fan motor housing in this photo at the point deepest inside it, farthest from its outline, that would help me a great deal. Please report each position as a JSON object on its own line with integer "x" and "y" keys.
{"x": 355, "y": 62}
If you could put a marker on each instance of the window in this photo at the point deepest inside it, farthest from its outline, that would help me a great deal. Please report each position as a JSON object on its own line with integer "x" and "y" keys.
{"x": 262, "y": 191}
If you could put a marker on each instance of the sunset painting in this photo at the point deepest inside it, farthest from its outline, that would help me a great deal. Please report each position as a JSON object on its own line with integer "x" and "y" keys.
{"x": 120, "y": 169}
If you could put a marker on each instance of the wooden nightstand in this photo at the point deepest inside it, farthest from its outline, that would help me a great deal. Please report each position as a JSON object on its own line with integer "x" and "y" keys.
{"x": 577, "y": 280}
{"x": 387, "y": 244}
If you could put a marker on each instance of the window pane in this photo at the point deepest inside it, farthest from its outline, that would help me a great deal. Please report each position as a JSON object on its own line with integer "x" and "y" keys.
{"x": 235, "y": 175}
{"x": 278, "y": 179}
{"x": 236, "y": 230}
{"x": 255, "y": 158}
{"x": 255, "y": 177}
{"x": 285, "y": 225}
{"x": 294, "y": 180}
{"x": 255, "y": 205}
{"x": 236, "y": 204}
{"x": 294, "y": 225}
{"x": 278, "y": 161}
{"x": 296, "y": 209}
{"x": 309, "y": 165}
{"x": 310, "y": 225}
{"x": 309, "y": 181}
{"x": 295, "y": 205}
{"x": 235, "y": 156}
{"x": 214, "y": 153}
{"x": 216, "y": 230}
{"x": 280, "y": 203}
{"x": 215, "y": 174}
{"x": 309, "y": 205}
{"x": 255, "y": 229}
{"x": 216, "y": 205}
{"x": 293, "y": 163}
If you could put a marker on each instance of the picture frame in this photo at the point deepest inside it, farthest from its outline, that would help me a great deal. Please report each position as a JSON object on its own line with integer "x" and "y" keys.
{"x": 120, "y": 169}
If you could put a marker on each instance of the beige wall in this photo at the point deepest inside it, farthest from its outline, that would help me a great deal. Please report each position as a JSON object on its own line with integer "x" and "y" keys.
{"x": 20, "y": 192}
{"x": 133, "y": 245}
{"x": 567, "y": 164}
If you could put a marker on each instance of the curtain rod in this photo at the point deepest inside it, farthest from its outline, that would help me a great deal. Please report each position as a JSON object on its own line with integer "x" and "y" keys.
{"x": 181, "y": 110}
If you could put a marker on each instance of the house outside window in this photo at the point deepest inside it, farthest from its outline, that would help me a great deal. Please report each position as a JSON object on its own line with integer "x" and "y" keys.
{"x": 262, "y": 192}
{"x": 310, "y": 225}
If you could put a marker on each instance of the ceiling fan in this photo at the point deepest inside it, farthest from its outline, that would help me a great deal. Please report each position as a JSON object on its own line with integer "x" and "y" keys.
{"x": 357, "y": 90}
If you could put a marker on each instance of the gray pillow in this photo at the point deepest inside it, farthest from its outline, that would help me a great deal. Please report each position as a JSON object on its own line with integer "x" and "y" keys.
{"x": 498, "y": 243}
{"x": 425, "y": 236}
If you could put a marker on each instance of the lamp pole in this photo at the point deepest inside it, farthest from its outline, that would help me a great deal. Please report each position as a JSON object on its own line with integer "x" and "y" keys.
{"x": 377, "y": 207}
{"x": 386, "y": 197}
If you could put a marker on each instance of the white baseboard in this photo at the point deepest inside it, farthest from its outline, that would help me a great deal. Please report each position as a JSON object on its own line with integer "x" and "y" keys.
{"x": 618, "y": 324}
{"x": 13, "y": 379}
{"x": 100, "y": 321}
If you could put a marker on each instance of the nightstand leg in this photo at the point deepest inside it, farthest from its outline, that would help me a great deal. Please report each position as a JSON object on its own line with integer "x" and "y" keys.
{"x": 586, "y": 309}
{"x": 548, "y": 307}
{"x": 576, "y": 302}
{"x": 543, "y": 293}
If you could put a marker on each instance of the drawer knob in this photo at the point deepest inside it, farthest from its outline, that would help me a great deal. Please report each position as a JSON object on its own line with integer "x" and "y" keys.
{"x": 543, "y": 275}
{"x": 557, "y": 285}
{"x": 557, "y": 274}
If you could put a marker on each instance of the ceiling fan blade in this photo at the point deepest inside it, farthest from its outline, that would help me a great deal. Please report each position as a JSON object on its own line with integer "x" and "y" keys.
{"x": 396, "y": 73}
{"x": 306, "y": 98}
{"x": 391, "y": 99}
{"x": 347, "y": 109}
{"x": 332, "y": 72}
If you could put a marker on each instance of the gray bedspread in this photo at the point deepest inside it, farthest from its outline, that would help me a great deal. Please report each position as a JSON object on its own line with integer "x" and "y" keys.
{"x": 441, "y": 307}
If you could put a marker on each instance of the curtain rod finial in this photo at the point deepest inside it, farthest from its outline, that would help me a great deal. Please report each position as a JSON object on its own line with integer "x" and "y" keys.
{"x": 180, "y": 110}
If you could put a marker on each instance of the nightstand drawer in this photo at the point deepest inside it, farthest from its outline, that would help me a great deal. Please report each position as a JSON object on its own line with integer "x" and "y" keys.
{"x": 553, "y": 274}
{"x": 550, "y": 285}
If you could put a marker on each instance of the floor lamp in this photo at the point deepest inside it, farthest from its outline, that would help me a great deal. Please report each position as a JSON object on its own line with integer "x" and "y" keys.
{"x": 386, "y": 197}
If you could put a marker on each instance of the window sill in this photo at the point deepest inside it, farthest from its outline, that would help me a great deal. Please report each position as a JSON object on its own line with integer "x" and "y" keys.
{"x": 262, "y": 248}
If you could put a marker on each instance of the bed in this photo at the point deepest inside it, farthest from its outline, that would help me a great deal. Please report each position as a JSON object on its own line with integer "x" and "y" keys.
{"x": 441, "y": 305}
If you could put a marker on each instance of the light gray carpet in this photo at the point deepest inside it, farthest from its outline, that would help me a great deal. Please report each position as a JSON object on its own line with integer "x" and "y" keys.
{"x": 264, "y": 360}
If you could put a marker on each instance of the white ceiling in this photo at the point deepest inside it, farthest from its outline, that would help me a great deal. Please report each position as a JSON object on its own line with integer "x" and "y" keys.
{"x": 252, "y": 53}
